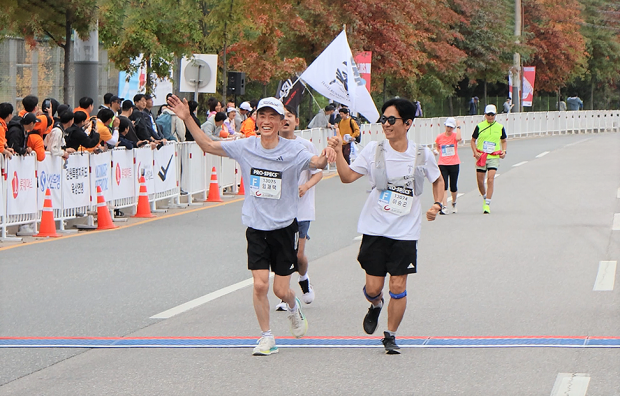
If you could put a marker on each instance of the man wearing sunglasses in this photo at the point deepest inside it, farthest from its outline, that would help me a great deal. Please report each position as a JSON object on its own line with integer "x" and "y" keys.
{"x": 391, "y": 219}
{"x": 488, "y": 143}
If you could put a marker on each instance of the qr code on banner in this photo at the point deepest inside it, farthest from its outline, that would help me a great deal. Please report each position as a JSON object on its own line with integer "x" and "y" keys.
{"x": 77, "y": 188}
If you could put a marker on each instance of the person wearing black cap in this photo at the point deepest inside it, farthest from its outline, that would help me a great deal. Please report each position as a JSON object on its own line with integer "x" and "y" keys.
{"x": 115, "y": 104}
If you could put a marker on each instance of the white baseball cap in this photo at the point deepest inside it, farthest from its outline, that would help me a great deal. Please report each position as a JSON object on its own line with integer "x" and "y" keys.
{"x": 228, "y": 110}
{"x": 272, "y": 103}
{"x": 245, "y": 106}
{"x": 450, "y": 122}
{"x": 490, "y": 109}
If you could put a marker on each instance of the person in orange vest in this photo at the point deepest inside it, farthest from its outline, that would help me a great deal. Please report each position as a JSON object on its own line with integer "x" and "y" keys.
{"x": 86, "y": 106}
{"x": 248, "y": 127}
{"x": 6, "y": 113}
{"x": 35, "y": 137}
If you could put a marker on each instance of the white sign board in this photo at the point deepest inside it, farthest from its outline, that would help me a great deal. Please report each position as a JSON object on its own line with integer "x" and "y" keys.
{"x": 48, "y": 173}
{"x": 75, "y": 183}
{"x": 122, "y": 174}
{"x": 165, "y": 168}
{"x": 101, "y": 176}
{"x": 143, "y": 166}
{"x": 22, "y": 185}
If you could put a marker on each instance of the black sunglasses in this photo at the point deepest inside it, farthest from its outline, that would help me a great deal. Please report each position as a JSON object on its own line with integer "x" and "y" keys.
{"x": 491, "y": 114}
{"x": 391, "y": 120}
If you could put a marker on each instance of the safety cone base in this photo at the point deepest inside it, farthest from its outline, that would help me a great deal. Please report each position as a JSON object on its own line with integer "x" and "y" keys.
{"x": 48, "y": 225}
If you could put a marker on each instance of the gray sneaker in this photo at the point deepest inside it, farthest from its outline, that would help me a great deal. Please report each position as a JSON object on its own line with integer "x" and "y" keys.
{"x": 298, "y": 322}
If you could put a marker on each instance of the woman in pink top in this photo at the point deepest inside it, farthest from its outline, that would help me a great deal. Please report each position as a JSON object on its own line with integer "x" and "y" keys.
{"x": 446, "y": 144}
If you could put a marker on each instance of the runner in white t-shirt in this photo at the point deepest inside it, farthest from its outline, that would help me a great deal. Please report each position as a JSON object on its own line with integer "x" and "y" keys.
{"x": 271, "y": 167}
{"x": 391, "y": 218}
{"x": 305, "y": 208}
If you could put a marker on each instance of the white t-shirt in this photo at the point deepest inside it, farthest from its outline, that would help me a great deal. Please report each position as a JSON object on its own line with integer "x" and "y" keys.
{"x": 271, "y": 180}
{"x": 305, "y": 209}
{"x": 373, "y": 219}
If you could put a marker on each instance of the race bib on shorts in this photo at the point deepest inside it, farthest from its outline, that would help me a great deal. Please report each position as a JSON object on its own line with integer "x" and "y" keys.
{"x": 488, "y": 147}
{"x": 397, "y": 200}
{"x": 265, "y": 183}
{"x": 448, "y": 150}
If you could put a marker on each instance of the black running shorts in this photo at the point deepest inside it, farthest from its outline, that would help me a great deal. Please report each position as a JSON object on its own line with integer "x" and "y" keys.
{"x": 275, "y": 250}
{"x": 380, "y": 255}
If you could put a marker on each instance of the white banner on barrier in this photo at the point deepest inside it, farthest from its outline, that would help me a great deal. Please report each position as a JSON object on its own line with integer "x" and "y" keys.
{"x": 2, "y": 205}
{"x": 165, "y": 168}
{"x": 48, "y": 173}
{"x": 143, "y": 166}
{"x": 22, "y": 185}
{"x": 76, "y": 185}
{"x": 101, "y": 176}
{"x": 123, "y": 180}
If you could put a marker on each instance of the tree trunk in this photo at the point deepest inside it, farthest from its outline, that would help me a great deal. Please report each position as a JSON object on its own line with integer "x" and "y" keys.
{"x": 592, "y": 96}
{"x": 486, "y": 102}
{"x": 225, "y": 83}
{"x": 450, "y": 106}
{"x": 67, "y": 62}
{"x": 149, "y": 82}
{"x": 384, "y": 90}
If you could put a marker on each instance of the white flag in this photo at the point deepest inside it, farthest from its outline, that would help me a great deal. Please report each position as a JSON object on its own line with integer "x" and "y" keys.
{"x": 334, "y": 75}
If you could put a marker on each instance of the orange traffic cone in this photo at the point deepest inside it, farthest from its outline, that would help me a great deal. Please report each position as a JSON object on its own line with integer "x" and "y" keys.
{"x": 214, "y": 188}
{"x": 241, "y": 188}
{"x": 48, "y": 226}
{"x": 144, "y": 209}
{"x": 104, "y": 221}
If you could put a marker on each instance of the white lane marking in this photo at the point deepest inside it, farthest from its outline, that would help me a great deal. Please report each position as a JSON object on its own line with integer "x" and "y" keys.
{"x": 616, "y": 224}
{"x": 542, "y": 154}
{"x": 577, "y": 142}
{"x": 205, "y": 299}
{"x": 571, "y": 384}
{"x": 457, "y": 196}
{"x": 358, "y": 238}
{"x": 606, "y": 276}
{"x": 519, "y": 164}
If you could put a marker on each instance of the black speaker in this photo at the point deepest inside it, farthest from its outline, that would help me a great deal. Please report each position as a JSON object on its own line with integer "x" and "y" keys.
{"x": 236, "y": 83}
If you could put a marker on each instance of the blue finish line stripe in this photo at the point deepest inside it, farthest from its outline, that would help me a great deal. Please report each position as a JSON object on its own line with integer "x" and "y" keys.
{"x": 308, "y": 342}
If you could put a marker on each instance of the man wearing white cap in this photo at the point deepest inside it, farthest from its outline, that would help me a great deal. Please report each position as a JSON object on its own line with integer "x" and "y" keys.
{"x": 446, "y": 144}
{"x": 271, "y": 166}
{"x": 488, "y": 144}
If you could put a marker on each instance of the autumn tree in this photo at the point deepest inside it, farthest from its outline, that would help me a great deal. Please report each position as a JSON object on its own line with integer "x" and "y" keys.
{"x": 157, "y": 30}
{"x": 553, "y": 31}
{"x": 38, "y": 19}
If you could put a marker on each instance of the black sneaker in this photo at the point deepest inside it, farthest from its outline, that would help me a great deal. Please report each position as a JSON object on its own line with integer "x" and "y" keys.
{"x": 389, "y": 342}
{"x": 371, "y": 319}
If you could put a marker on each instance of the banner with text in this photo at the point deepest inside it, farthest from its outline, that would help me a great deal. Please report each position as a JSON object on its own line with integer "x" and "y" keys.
{"x": 289, "y": 93}
{"x": 363, "y": 61}
{"x": 165, "y": 168}
{"x": 22, "y": 193}
{"x": 75, "y": 185}
{"x": 143, "y": 166}
{"x": 48, "y": 173}
{"x": 101, "y": 176}
{"x": 529, "y": 75}
{"x": 123, "y": 183}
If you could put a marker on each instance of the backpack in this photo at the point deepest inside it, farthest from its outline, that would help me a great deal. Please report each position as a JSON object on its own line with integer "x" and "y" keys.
{"x": 358, "y": 138}
{"x": 164, "y": 124}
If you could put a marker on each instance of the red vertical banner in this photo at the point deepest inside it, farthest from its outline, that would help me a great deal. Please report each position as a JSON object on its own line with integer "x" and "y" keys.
{"x": 529, "y": 75}
{"x": 363, "y": 61}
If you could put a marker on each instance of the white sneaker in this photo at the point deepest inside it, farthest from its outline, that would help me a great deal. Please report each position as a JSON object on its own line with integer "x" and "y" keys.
{"x": 266, "y": 346}
{"x": 298, "y": 322}
{"x": 308, "y": 291}
{"x": 454, "y": 208}
{"x": 281, "y": 306}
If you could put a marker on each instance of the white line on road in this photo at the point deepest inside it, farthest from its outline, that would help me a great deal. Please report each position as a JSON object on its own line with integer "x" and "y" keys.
{"x": 571, "y": 384}
{"x": 519, "y": 164}
{"x": 542, "y": 154}
{"x": 616, "y": 224}
{"x": 577, "y": 142}
{"x": 606, "y": 276}
{"x": 204, "y": 299}
{"x": 457, "y": 196}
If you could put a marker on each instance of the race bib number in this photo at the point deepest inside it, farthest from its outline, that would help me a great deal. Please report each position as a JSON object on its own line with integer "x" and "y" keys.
{"x": 448, "y": 150}
{"x": 488, "y": 147}
{"x": 265, "y": 183}
{"x": 397, "y": 200}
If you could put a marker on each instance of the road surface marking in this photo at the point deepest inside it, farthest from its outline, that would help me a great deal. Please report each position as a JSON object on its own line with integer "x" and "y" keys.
{"x": 571, "y": 384}
{"x": 616, "y": 225}
{"x": 457, "y": 196}
{"x": 542, "y": 154}
{"x": 580, "y": 141}
{"x": 519, "y": 164}
{"x": 606, "y": 276}
{"x": 205, "y": 299}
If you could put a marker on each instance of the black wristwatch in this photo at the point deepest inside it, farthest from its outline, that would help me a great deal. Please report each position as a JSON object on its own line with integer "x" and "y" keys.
{"x": 440, "y": 205}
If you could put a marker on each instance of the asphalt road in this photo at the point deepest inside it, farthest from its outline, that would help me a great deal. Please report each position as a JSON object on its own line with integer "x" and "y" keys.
{"x": 528, "y": 269}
